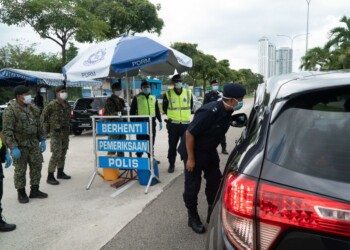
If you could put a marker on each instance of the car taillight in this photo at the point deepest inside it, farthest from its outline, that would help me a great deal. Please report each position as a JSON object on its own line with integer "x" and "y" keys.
{"x": 101, "y": 112}
{"x": 282, "y": 208}
{"x": 277, "y": 209}
{"x": 72, "y": 114}
{"x": 238, "y": 210}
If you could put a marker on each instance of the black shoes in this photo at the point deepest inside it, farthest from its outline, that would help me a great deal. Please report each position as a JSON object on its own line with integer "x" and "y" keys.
{"x": 61, "y": 174}
{"x": 171, "y": 168}
{"x": 5, "y": 227}
{"x": 195, "y": 222}
{"x": 22, "y": 196}
{"x": 51, "y": 179}
{"x": 224, "y": 151}
{"x": 36, "y": 193}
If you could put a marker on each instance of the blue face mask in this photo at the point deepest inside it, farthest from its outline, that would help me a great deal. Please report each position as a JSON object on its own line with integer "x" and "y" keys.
{"x": 215, "y": 88}
{"x": 178, "y": 85}
{"x": 239, "y": 105}
{"x": 147, "y": 91}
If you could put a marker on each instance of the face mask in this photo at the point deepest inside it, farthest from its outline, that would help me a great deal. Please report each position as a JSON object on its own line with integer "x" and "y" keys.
{"x": 178, "y": 85}
{"x": 239, "y": 105}
{"x": 64, "y": 95}
{"x": 147, "y": 91}
{"x": 117, "y": 92}
{"x": 27, "y": 99}
{"x": 215, "y": 88}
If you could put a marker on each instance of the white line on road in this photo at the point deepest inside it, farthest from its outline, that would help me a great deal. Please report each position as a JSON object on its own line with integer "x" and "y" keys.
{"x": 122, "y": 189}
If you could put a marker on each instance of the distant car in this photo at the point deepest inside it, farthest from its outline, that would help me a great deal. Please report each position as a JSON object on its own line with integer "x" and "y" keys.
{"x": 286, "y": 183}
{"x": 197, "y": 103}
{"x": 84, "y": 108}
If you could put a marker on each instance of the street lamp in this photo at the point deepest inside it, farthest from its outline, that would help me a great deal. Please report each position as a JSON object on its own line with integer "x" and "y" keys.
{"x": 291, "y": 43}
{"x": 307, "y": 25}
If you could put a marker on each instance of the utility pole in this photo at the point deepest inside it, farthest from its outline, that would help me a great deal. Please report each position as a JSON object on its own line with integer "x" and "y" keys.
{"x": 307, "y": 25}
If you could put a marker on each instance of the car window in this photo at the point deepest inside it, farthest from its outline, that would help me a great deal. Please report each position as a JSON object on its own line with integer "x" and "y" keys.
{"x": 90, "y": 103}
{"x": 311, "y": 135}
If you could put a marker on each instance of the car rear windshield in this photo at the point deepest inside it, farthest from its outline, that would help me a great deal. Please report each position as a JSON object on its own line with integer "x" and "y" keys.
{"x": 90, "y": 103}
{"x": 312, "y": 135}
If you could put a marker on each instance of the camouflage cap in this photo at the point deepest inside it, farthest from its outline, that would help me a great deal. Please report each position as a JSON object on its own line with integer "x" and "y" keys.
{"x": 20, "y": 90}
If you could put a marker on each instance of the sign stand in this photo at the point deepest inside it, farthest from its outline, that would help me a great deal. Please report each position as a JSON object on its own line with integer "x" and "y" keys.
{"x": 124, "y": 163}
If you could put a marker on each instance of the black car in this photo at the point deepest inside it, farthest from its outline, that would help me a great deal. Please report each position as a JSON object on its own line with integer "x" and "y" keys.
{"x": 83, "y": 109}
{"x": 286, "y": 183}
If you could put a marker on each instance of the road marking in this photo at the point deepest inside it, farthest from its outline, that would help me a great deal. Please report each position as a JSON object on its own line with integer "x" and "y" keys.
{"x": 122, "y": 189}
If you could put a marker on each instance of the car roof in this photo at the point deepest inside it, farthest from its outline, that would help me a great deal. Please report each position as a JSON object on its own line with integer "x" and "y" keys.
{"x": 281, "y": 87}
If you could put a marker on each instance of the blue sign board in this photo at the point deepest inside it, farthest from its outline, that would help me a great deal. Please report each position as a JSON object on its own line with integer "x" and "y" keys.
{"x": 124, "y": 163}
{"x": 122, "y": 145}
{"x": 117, "y": 128}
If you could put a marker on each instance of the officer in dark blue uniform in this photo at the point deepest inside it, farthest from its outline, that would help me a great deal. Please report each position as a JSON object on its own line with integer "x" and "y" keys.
{"x": 213, "y": 96}
{"x": 198, "y": 150}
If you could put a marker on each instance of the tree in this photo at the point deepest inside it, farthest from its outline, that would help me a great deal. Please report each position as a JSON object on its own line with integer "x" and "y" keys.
{"x": 315, "y": 59}
{"x": 128, "y": 16}
{"x": 59, "y": 20}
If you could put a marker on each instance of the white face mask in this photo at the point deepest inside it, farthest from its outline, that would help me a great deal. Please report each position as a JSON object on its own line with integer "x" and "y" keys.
{"x": 27, "y": 99}
{"x": 118, "y": 92}
{"x": 64, "y": 95}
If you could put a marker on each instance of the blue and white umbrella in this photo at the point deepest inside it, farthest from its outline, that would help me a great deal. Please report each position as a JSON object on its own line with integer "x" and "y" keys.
{"x": 126, "y": 56}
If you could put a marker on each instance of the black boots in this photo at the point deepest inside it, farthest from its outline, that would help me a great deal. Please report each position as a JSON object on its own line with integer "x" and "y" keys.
{"x": 171, "y": 168}
{"x": 22, "y": 196}
{"x": 36, "y": 193}
{"x": 223, "y": 151}
{"x": 195, "y": 222}
{"x": 4, "y": 227}
{"x": 61, "y": 174}
{"x": 51, "y": 179}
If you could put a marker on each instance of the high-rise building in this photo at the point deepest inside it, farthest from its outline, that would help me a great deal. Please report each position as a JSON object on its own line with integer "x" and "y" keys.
{"x": 266, "y": 58}
{"x": 284, "y": 60}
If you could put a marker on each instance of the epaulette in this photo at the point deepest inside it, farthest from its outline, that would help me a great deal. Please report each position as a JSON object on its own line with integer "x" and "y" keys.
{"x": 214, "y": 110}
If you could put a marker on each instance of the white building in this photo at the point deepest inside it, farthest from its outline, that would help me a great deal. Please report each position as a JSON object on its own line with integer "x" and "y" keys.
{"x": 284, "y": 60}
{"x": 266, "y": 58}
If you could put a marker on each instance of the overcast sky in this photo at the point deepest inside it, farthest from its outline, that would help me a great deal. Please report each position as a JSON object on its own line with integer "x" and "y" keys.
{"x": 230, "y": 29}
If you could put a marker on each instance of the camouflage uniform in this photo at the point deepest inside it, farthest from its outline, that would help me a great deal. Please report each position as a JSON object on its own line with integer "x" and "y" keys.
{"x": 22, "y": 129}
{"x": 113, "y": 105}
{"x": 56, "y": 121}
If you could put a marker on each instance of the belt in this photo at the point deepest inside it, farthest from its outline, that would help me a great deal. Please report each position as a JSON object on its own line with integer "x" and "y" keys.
{"x": 177, "y": 122}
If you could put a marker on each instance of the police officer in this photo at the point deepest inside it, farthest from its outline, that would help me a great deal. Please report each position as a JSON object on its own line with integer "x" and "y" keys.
{"x": 4, "y": 157}
{"x": 198, "y": 150}
{"x": 115, "y": 105}
{"x": 25, "y": 138}
{"x": 213, "y": 96}
{"x": 177, "y": 104}
{"x": 56, "y": 121}
{"x": 146, "y": 104}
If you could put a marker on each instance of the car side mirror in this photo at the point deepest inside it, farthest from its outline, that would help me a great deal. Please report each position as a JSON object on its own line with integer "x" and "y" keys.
{"x": 239, "y": 120}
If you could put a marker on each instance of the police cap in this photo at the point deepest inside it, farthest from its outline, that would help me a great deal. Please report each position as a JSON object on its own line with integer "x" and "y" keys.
{"x": 176, "y": 77}
{"x": 144, "y": 83}
{"x": 116, "y": 84}
{"x": 59, "y": 88}
{"x": 20, "y": 90}
{"x": 234, "y": 90}
{"x": 214, "y": 81}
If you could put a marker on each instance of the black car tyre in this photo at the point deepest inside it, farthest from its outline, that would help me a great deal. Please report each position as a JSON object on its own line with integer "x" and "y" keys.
{"x": 77, "y": 131}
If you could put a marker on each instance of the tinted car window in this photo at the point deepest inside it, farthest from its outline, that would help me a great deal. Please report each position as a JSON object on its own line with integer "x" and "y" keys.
{"x": 90, "y": 103}
{"x": 311, "y": 136}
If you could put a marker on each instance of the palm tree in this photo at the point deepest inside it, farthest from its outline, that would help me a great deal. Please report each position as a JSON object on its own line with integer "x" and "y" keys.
{"x": 315, "y": 59}
{"x": 340, "y": 36}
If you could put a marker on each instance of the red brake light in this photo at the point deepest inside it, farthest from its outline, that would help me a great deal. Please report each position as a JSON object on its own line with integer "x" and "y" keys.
{"x": 289, "y": 208}
{"x": 71, "y": 114}
{"x": 238, "y": 210}
{"x": 101, "y": 112}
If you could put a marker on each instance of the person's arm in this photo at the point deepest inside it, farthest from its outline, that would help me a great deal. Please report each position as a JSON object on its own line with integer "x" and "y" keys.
{"x": 158, "y": 116}
{"x": 190, "y": 164}
{"x": 165, "y": 104}
{"x": 206, "y": 99}
{"x": 45, "y": 119}
{"x": 9, "y": 121}
{"x": 191, "y": 102}
{"x": 133, "y": 108}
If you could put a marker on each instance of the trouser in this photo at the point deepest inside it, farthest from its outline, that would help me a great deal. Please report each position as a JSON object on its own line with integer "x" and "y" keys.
{"x": 146, "y": 138}
{"x": 175, "y": 131}
{"x": 33, "y": 157}
{"x": 223, "y": 142}
{"x": 208, "y": 162}
{"x": 59, "y": 146}
{"x": 1, "y": 186}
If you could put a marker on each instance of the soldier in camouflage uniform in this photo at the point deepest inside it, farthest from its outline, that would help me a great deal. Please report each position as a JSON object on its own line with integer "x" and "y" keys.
{"x": 115, "y": 105}
{"x": 56, "y": 121}
{"x": 25, "y": 138}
